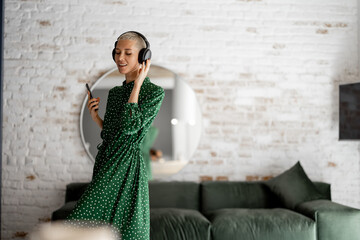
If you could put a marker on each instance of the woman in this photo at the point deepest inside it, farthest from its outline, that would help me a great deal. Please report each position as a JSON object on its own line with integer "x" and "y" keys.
{"x": 118, "y": 192}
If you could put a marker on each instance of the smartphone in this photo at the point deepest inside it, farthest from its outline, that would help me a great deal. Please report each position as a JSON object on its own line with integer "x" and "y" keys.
{"x": 88, "y": 88}
{"x": 91, "y": 96}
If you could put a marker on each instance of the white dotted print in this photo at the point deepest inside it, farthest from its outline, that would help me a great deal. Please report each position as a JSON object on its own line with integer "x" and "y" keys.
{"x": 118, "y": 193}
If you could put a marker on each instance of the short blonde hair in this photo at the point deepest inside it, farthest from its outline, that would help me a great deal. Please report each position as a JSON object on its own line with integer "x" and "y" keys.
{"x": 140, "y": 43}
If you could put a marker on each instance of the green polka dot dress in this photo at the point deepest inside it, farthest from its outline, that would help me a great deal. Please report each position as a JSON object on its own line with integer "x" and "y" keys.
{"x": 118, "y": 194}
{"x": 145, "y": 147}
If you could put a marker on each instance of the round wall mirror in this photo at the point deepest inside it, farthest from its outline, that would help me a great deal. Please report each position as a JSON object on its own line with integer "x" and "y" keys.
{"x": 176, "y": 130}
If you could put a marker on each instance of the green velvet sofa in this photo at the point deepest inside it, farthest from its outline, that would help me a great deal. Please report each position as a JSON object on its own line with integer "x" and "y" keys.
{"x": 235, "y": 210}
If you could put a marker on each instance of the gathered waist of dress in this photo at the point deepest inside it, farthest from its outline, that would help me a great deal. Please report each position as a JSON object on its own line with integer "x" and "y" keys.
{"x": 105, "y": 142}
{"x": 134, "y": 145}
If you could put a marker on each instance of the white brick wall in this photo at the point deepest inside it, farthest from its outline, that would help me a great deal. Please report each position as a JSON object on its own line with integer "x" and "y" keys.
{"x": 266, "y": 74}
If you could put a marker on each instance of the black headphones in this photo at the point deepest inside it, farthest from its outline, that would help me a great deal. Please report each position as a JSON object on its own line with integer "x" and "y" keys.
{"x": 144, "y": 53}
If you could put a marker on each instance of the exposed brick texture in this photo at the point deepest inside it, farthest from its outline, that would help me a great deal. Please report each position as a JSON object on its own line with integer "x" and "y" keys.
{"x": 265, "y": 72}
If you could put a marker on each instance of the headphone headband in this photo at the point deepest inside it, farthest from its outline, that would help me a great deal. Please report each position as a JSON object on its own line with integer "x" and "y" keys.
{"x": 142, "y": 36}
{"x": 144, "y": 53}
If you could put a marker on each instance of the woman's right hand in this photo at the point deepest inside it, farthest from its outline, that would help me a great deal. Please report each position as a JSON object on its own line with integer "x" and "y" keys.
{"x": 93, "y": 106}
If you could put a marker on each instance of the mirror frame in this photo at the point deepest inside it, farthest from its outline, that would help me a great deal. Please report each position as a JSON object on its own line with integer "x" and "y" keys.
{"x": 83, "y": 107}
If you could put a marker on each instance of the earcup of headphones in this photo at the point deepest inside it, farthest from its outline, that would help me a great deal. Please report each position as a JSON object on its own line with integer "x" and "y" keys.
{"x": 113, "y": 54}
{"x": 113, "y": 51}
{"x": 144, "y": 54}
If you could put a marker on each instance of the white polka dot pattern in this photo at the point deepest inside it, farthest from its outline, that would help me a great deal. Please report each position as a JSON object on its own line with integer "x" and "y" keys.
{"x": 118, "y": 193}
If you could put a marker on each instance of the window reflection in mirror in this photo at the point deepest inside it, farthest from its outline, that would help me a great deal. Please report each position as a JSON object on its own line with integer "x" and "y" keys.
{"x": 178, "y": 124}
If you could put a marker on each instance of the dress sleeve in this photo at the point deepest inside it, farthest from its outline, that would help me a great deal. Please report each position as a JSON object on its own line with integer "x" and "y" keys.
{"x": 135, "y": 116}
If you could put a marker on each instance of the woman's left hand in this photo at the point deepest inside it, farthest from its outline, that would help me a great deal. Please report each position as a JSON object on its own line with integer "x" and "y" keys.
{"x": 143, "y": 71}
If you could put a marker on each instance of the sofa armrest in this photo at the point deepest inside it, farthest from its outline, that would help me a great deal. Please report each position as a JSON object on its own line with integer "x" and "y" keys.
{"x": 334, "y": 221}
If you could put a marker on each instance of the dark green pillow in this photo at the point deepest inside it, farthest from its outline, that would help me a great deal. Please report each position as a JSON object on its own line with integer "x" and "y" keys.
{"x": 293, "y": 187}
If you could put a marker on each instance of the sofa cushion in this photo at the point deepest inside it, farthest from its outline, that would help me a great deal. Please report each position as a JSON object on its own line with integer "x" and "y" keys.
{"x": 64, "y": 211}
{"x": 293, "y": 187}
{"x": 174, "y": 194}
{"x": 260, "y": 224}
{"x": 324, "y": 189}
{"x": 75, "y": 190}
{"x": 236, "y": 194}
{"x": 176, "y": 223}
